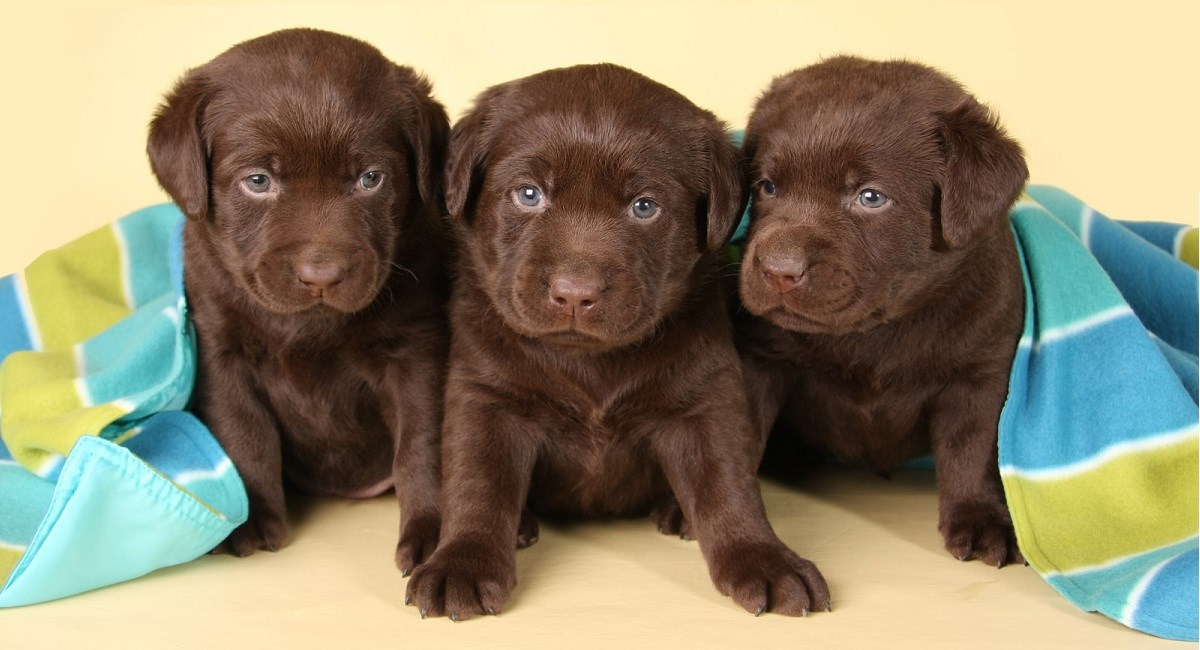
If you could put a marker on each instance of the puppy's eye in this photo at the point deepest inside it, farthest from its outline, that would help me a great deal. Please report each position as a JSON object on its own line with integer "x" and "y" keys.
{"x": 257, "y": 183}
{"x": 370, "y": 180}
{"x": 529, "y": 195}
{"x": 644, "y": 208}
{"x": 767, "y": 187}
{"x": 871, "y": 198}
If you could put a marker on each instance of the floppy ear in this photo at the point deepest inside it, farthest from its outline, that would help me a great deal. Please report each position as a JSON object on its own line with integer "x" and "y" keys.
{"x": 470, "y": 142}
{"x": 178, "y": 153}
{"x": 431, "y": 130}
{"x": 984, "y": 173}
{"x": 726, "y": 191}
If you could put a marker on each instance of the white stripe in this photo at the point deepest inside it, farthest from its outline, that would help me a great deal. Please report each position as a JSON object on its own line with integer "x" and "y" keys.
{"x": 192, "y": 476}
{"x": 1135, "y": 594}
{"x": 1095, "y": 320}
{"x": 126, "y": 405}
{"x": 81, "y": 373}
{"x": 35, "y": 337}
{"x": 126, "y": 272}
{"x": 52, "y": 465}
{"x": 1177, "y": 244}
{"x": 1085, "y": 226}
{"x": 1106, "y": 455}
{"x": 12, "y": 547}
{"x": 1104, "y": 566}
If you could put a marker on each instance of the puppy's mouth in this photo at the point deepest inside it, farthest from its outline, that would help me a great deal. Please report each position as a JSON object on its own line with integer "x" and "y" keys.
{"x": 573, "y": 338}
{"x": 848, "y": 321}
{"x": 826, "y": 301}
{"x": 286, "y": 293}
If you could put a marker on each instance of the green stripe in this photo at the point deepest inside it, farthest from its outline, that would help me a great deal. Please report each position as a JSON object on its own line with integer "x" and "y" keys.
{"x": 8, "y": 562}
{"x": 1068, "y": 519}
{"x": 42, "y": 413}
{"x": 78, "y": 290}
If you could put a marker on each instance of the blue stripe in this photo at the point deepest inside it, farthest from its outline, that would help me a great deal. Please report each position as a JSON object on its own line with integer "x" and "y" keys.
{"x": 1111, "y": 417}
{"x": 1159, "y": 233}
{"x": 1108, "y": 590}
{"x": 1160, "y": 289}
{"x": 1168, "y": 607}
{"x": 14, "y": 332}
{"x": 147, "y": 233}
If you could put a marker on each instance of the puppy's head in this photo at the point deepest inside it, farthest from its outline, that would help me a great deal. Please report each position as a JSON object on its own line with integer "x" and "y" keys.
{"x": 300, "y": 155}
{"x": 872, "y": 183}
{"x": 586, "y": 198}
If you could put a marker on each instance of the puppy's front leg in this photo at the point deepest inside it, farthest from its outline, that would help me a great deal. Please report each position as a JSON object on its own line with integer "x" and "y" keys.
{"x": 972, "y": 513}
{"x": 708, "y": 463}
{"x": 229, "y": 401}
{"x": 488, "y": 456}
{"x": 415, "y": 416}
{"x": 766, "y": 390}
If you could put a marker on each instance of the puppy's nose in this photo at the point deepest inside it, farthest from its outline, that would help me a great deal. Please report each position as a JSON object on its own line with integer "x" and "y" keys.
{"x": 782, "y": 274}
{"x": 320, "y": 274}
{"x": 574, "y": 294}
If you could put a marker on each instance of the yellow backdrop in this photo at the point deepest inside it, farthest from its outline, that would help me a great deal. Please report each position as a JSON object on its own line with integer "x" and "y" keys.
{"x": 1102, "y": 95}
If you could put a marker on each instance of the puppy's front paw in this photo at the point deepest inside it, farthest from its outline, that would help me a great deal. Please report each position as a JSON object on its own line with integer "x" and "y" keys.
{"x": 463, "y": 579}
{"x": 527, "y": 530}
{"x": 418, "y": 539}
{"x": 266, "y": 533}
{"x": 668, "y": 517}
{"x": 980, "y": 530}
{"x": 769, "y": 577}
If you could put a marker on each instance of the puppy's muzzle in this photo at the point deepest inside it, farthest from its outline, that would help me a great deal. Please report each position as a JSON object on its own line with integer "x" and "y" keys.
{"x": 782, "y": 274}
{"x": 573, "y": 295}
{"x": 319, "y": 273}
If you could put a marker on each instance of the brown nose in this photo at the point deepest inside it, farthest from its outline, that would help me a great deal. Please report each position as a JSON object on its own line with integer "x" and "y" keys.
{"x": 782, "y": 274}
{"x": 320, "y": 274}
{"x": 574, "y": 294}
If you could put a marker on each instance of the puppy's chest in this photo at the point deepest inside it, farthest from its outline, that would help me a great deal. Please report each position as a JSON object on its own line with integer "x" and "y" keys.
{"x": 880, "y": 420}
{"x": 595, "y": 460}
{"x": 324, "y": 395}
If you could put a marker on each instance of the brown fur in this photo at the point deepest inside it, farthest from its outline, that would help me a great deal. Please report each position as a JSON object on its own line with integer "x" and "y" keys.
{"x": 592, "y": 367}
{"x": 320, "y": 302}
{"x": 881, "y": 334}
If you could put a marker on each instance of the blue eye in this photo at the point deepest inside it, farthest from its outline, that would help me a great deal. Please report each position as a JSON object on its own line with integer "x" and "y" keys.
{"x": 370, "y": 180}
{"x": 871, "y": 198}
{"x": 767, "y": 187}
{"x": 529, "y": 195}
{"x": 644, "y": 208}
{"x": 257, "y": 183}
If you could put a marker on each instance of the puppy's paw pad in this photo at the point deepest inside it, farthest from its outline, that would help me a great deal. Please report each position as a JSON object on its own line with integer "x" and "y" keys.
{"x": 980, "y": 531}
{"x": 668, "y": 517}
{"x": 527, "y": 530}
{"x": 418, "y": 539}
{"x": 461, "y": 580}
{"x": 769, "y": 577}
{"x": 267, "y": 534}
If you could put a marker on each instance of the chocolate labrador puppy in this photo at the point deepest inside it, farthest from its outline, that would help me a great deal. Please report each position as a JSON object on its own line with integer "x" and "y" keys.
{"x": 308, "y": 166}
{"x": 592, "y": 367}
{"x": 883, "y": 280}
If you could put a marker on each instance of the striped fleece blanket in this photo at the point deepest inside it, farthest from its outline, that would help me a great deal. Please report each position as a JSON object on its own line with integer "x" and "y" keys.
{"x": 1098, "y": 438}
{"x": 103, "y": 477}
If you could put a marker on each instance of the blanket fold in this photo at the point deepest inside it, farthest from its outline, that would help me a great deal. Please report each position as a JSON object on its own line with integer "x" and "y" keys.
{"x": 103, "y": 477}
{"x": 1098, "y": 437}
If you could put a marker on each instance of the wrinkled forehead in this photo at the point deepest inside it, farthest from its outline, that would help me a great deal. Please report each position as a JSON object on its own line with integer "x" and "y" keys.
{"x": 303, "y": 120}
{"x": 564, "y": 145}
{"x": 849, "y": 139}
